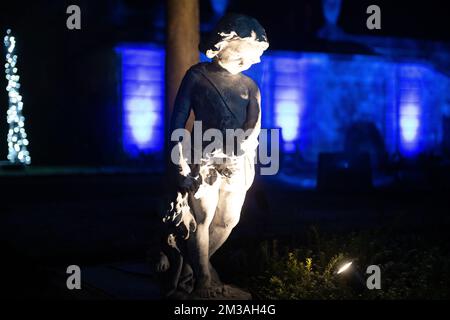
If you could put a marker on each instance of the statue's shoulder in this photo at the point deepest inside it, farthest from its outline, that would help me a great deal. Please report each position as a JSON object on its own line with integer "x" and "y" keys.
{"x": 192, "y": 74}
{"x": 251, "y": 84}
{"x": 196, "y": 69}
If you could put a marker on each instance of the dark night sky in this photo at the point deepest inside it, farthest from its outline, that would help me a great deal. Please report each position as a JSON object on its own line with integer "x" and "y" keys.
{"x": 69, "y": 77}
{"x": 135, "y": 20}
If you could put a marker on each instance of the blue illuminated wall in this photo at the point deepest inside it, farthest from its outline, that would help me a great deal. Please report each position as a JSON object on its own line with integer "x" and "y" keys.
{"x": 420, "y": 103}
{"x": 313, "y": 97}
{"x": 316, "y": 97}
{"x": 142, "y": 93}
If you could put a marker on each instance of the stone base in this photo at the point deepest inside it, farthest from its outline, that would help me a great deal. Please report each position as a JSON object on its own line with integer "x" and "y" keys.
{"x": 230, "y": 293}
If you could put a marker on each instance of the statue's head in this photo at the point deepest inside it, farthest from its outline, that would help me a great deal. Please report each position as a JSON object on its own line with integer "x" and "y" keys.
{"x": 236, "y": 43}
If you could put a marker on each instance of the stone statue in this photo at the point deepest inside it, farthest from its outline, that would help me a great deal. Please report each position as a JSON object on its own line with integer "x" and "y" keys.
{"x": 210, "y": 193}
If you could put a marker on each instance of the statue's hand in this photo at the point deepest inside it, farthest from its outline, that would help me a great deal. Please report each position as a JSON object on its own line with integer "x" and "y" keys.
{"x": 188, "y": 220}
{"x": 188, "y": 183}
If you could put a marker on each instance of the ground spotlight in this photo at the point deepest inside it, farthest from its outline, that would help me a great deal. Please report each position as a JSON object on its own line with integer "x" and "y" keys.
{"x": 351, "y": 275}
{"x": 344, "y": 267}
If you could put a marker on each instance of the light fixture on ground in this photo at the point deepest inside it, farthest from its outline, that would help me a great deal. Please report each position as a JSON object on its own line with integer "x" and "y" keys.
{"x": 344, "y": 267}
{"x": 350, "y": 274}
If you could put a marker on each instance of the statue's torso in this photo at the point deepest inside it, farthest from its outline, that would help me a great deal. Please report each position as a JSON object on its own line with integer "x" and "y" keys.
{"x": 208, "y": 105}
{"x": 225, "y": 111}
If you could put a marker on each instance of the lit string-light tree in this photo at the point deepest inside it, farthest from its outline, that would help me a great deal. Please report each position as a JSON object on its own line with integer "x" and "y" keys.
{"x": 17, "y": 137}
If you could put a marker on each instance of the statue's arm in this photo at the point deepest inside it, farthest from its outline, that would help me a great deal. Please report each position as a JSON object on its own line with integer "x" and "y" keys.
{"x": 253, "y": 121}
{"x": 183, "y": 102}
{"x": 179, "y": 170}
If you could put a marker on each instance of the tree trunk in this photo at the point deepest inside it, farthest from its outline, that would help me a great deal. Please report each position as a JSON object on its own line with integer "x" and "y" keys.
{"x": 181, "y": 48}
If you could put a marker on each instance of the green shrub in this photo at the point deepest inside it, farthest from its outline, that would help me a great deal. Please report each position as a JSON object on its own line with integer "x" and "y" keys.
{"x": 411, "y": 266}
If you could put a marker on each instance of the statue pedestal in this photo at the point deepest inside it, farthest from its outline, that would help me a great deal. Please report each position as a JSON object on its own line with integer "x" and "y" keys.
{"x": 232, "y": 293}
